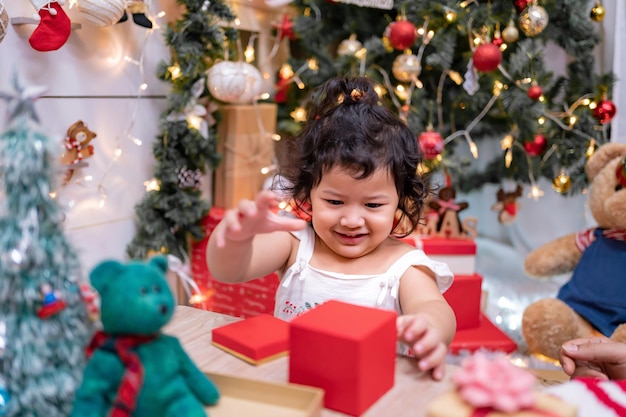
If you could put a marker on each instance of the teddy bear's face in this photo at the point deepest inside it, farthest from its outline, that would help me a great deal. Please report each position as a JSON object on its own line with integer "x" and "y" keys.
{"x": 135, "y": 297}
{"x": 607, "y": 198}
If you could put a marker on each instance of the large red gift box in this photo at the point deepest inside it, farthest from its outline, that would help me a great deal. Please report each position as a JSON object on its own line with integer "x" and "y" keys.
{"x": 464, "y": 296}
{"x": 247, "y": 299}
{"x": 347, "y": 350}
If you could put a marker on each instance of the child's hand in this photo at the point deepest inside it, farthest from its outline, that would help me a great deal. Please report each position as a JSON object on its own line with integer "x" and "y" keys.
{"x": 425, "y": 343}
{"x": 253, "y": 217}
{"x": 596, "y": 357}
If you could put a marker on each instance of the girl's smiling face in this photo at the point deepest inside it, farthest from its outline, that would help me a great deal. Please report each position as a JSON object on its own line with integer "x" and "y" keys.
{"x": 352, "y": 216}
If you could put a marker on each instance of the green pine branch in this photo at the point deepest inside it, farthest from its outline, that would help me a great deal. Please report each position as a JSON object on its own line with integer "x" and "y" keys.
{"x": 168, "y": 218}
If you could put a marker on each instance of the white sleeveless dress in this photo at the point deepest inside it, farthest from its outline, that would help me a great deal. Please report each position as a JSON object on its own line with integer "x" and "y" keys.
{"x": 304, "y": 287}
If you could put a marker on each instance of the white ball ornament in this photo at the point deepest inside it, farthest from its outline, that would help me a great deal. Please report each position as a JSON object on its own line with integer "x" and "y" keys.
{"x": 235, "y": 82}
{"x": 101, "y": 12}
{"x": 349, "y": 47}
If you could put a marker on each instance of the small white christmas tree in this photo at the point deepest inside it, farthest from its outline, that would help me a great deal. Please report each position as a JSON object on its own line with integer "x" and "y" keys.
{"x": 44, "y": 325}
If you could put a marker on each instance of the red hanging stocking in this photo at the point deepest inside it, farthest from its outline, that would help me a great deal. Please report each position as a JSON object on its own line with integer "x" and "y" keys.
{"x": 54, "y": 26}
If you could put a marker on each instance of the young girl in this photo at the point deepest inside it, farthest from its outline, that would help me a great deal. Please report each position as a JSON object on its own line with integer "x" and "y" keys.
{"x": 354, "y": 172}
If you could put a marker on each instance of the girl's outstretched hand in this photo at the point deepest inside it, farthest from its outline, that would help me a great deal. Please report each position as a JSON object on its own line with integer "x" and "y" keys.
{"x": 425, "y": 343}
{"x": 253, "y": 217}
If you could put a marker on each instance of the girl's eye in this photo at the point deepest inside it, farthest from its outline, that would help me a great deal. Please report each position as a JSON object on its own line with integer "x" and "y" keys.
{"x": 373, "y": 205}
{"x": 334, "y": 202}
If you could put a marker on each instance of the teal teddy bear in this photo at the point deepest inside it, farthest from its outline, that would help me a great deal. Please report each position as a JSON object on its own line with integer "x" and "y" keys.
{"x": 133, "y": 368}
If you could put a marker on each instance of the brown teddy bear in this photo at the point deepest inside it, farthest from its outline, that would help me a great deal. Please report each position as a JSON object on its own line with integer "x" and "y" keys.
{"x": 593, "y": 300}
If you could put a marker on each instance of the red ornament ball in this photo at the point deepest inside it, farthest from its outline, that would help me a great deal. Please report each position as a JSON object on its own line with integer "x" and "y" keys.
{"x": 431, "y": 143}
{"x": 487, "y": 57}
{"x": 534, "y": 92}
{"x": 520, "y": 5}
{"x": 401, "y": 34}
{"x": 537, "y": 146}
{"x": 605, "y": 111}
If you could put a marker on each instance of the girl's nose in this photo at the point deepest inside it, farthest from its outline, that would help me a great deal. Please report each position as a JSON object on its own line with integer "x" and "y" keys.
{"x": 352, "y": 218}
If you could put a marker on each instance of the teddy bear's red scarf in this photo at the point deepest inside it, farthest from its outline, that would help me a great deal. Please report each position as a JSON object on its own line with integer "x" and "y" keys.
{"x": 124, "y": 346}
{"x": 586, "y": 237}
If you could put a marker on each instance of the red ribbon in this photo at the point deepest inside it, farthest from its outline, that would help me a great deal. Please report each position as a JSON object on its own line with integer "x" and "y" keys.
{"x": 447, "y": 205}
{"x": 72, "y": 143}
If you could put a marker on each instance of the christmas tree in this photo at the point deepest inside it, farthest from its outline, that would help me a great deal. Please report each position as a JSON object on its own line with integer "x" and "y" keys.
{"x": 465, "y": 75}
{"x": 44, "y": 326}
{"x": 169, "y": 215}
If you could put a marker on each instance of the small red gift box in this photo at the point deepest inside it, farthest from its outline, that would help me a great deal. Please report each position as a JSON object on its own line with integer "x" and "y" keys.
{"x": 347, "y": 350}
{"x": 256, "y": 340}
{"x": 459, "y": 254}
{"x": 245, "y": 300}
{"x": 464, "y": 297}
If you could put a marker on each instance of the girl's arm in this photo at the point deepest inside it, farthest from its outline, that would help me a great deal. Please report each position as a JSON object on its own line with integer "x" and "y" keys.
{"x": 251, "y": 241}
{"x": 427, "y": 324}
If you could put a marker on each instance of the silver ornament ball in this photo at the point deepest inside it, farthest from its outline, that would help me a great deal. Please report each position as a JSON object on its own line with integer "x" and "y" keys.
{"x": 533, "y": 20}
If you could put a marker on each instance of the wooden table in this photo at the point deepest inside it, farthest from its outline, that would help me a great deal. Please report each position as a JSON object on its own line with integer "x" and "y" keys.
{"x": 409, "y": 396}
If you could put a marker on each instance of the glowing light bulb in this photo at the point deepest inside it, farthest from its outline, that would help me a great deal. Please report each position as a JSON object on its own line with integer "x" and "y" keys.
{"x": 298, "y": 115}
{"x": 151, "y": 185}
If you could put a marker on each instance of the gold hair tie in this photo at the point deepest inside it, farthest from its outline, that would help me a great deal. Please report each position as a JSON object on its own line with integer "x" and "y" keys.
{"x": 356, "y": 94}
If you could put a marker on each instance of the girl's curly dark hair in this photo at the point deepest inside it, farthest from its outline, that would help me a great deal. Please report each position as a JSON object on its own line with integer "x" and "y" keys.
{"x": 348, "y": 126}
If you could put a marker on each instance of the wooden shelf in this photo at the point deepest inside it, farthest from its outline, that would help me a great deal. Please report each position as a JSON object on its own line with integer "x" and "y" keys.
{"x": 21, "y": 20}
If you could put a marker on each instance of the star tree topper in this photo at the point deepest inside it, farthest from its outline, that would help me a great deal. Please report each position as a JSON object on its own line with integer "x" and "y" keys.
{"x": 22, "y": 102}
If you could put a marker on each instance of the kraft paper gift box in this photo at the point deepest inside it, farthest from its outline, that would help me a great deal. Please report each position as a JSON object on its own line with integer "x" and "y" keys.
{"x": 452, "y": 405}
{"x": 248, "y": 299}
{"x": 246, "y": 146}
{"x": 349, "y": 351}
{"x": 489, "y": 385}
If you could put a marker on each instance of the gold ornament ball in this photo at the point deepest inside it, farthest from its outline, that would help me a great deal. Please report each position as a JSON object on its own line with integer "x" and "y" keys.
{"x": 533, "y": 20}
{"x": 510, "y": 33}
{"x": 562, "y": 183}
{"x": 597, "y": 13}
{"x": 405, "y": 67}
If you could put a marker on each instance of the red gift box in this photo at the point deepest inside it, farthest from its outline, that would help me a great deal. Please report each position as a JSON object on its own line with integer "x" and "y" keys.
{"x": 245, "y": 300}
{"x": 464, "y": 297}
{"x": 486, "y": 336}
{"x": 347, "y": 350}
{"x": 459, "y": 254}
{"x": 256, "y": 340}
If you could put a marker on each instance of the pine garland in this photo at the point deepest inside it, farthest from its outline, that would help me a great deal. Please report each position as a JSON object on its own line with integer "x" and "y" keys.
{"x": 168, "y": 217}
